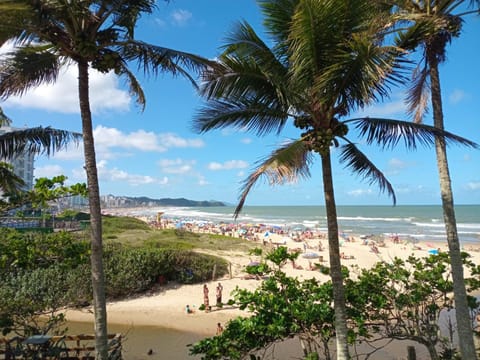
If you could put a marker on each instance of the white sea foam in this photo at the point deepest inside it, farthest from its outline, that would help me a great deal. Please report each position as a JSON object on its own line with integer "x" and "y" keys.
{"x": 422, "y": 222}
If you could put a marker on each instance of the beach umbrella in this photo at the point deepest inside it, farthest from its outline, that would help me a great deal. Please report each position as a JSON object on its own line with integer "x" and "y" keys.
{"x": 310, "y": 255}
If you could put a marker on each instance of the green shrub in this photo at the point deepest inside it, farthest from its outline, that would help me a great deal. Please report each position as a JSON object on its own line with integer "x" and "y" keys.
{"x": 118, "y": 224}
{"x": 27, "y": 295}
{"x": 130, "y": 270}
{"x": 21, "y": 251}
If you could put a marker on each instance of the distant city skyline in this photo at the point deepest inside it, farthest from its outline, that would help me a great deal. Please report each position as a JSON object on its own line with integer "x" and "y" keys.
{"x": 156, "y": 153}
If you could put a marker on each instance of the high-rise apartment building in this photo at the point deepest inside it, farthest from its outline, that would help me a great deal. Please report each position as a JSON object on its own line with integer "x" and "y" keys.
{"x": 23, "y": 164}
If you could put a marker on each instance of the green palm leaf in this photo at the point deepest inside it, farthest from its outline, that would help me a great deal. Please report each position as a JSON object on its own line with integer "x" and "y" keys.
{"x": 288, "y": 163}
{"x": 153, "y": 60}
{"x": 243, "y": 96}
{"x": 359, "y": 163}
{"x": 9, "y": 183}
{"x": 25, "y": 68}
{"x": 135, "y": 88}
{"x": 36, "y": 140}
{"x": 388, "y": 133}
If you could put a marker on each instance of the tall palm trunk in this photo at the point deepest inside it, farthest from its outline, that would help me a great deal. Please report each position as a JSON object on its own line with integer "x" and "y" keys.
{"x": 98, "y": 281}
{"x": 335, "y": 265}
{"x": 464, "y": 325}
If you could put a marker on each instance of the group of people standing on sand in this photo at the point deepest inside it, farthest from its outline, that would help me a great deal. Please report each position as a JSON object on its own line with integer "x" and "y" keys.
{"x": 218, "y": 294}
{"x": 206, "y": 300}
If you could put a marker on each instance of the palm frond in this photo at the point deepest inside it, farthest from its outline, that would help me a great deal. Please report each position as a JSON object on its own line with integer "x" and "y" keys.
{"x": 135, "y": 88}
{"x": 388, "y": 133}
{"x": 356, "y": 161}
{"x": 126, "y": 13}
{"x": 27, "y": 67}
{"x": 153, "y": 59}
{"x": 278, "y": 15}
{"x": 243, "y": 42}
{"x": 361, "y": 74}
{"x": 245, "y": 93}
{"x": 335, "y": 54}
{"x": 286, "y": 164}
{"x": 316, "y": 32}
{"x": 4, "y": 119}
{"x": 247, "y": 114}
{"x": 247, "y": 68}
{"x": 38, "y": 140}
{"x": 12, "y": 14}
{"x": 419, "y": 28}
{"x": 418, "y": 94}
{"x": 9, "y": 182}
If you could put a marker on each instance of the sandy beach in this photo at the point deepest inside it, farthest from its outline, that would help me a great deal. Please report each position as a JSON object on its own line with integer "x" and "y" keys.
{"x": 165, "y": 306}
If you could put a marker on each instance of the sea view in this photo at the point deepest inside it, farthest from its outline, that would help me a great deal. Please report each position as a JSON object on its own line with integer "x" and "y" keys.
{"x": 421, "y": 222}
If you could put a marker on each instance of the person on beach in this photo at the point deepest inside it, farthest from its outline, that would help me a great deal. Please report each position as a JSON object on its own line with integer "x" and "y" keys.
{"x": 219, "y": 293}
{"x": 188, "y": 310}
{"x": 219, "y": 329}
{"x": 205, "y": 297}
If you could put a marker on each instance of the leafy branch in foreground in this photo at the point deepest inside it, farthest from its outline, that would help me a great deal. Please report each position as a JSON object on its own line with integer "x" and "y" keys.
{"x": 44, "y": 191}
{"x": 402, "y": 300}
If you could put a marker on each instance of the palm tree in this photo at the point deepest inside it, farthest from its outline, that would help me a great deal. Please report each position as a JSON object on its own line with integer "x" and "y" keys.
{"x": 36, "y": 141}
{"x": 324, "y": 63}
{"x": 97, "y": 34}
{"x": 430, "y": 26}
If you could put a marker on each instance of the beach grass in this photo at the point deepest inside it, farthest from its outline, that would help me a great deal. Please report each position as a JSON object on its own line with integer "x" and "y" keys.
{"x": 135, "y": 232}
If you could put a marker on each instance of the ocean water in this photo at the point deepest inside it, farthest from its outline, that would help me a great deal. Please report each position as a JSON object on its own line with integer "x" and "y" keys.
{"x": 419, "y": 222}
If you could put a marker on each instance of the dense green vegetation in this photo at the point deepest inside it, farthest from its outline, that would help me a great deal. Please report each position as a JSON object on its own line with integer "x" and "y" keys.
{"x": 44, "y": 272}
{"x": 399, "y": 300}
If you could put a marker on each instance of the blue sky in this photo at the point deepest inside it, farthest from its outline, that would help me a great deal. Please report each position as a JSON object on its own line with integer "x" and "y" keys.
{"x": 156, "y": 154}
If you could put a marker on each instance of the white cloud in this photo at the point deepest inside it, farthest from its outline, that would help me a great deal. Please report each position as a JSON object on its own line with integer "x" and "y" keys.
{"x": 139, "y": 140}
{"x": 142, "y": 140}
{"x": 228, "y": 165}
{"x": 457, "y": 96}
{"x": 232, "y": 131}
{"x": 359, "y": 192}
{"x": 72, "y": 152}
{"x": 172, "y": 140}
{"x": 181, "y": 17}
{"x": 473, "y": 185}
{"x": 386, "y": 109}
{"x": 202, "y": 181}
{"x": 397, "y": 163}
{"x": 160, "y": 22}
{"x": 409, "y": 189}
{"x": 48, "y": 171}
{"x": 176, "y": 166}
{"x": 246, "y": 141}
{"x": 117, "y": 175}
{"x": 62, "y": 97}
